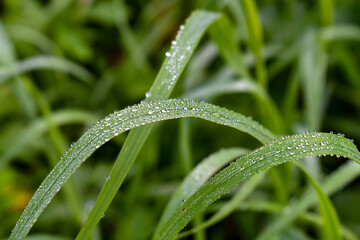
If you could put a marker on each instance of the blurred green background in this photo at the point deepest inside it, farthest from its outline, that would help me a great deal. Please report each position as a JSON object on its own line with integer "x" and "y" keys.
{"x": 65, "y": 64}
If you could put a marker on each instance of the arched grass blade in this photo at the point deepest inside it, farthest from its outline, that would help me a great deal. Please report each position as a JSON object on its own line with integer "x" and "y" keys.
{"x": 198, "y": 176}
{"x": 340, "y": 33}
{"x": 180, "y": 52}
{"x": 31, "y": 35}
{"x": 279, "y": 151}
{"x": 42, "y": 62}
{"x": 246, "y": 189}
{"x": 115, "y": 124}
{"x": 38, "y": 127}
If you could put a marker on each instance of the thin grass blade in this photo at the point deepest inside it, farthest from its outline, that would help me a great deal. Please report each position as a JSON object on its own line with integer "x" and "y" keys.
{"x": 330, "y": 220}
{"x": 115, "y": 124}
{"x": 245, "y": 190}
{"x": 333, "y": 183}
{"x": 197, "y": 177}
{"x": 279, "y": 151}
{"x": 222, "y": 32}
{"x": 181, "y": 50}
{"x": 39, "y": 127}
{"x": 42, "y": 62}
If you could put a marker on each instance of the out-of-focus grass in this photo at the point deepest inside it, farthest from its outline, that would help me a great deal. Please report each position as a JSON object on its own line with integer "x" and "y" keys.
{"x": 291, "y": 65}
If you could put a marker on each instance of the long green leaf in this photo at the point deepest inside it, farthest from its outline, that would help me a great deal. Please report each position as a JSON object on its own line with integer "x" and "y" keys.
{"x": 333, "y": 183}
{"x": 326, "y": 9}
{"x": 245, "y": 190}
{"x": 198, "y": 176}
{"x": 42, "y": 62}
{"x": 8, "y": 58}
{"x": 181, "y": 50}
{"x": 40, "y": 126}
{"x": 222, "y": 32}
{"x": 331, "y": 223}
{"x": 255, "y": 38}
{"x": 340, "y": 32}
{"x": 279, "y": 151}
{"x": 113, "y": 125}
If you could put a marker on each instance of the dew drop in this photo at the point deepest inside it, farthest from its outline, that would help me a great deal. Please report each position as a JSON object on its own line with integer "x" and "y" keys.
{"x": 168, "y": 54}
{"x": 148, "y": 94}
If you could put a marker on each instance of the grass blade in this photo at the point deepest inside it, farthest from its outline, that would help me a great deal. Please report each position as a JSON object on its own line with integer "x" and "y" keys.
{"x": 42, "y": 62}
{"x": 255, "y": 38}
{"x": 340, "y": 33}
{"x": 222, "y": 32}
{"x": 336, "y": 181}
{"x": 331, "y": 223}
{"x": 279, "y": 151}
{"x": 198, "y": 176}
{"x": 176, "y": 59}
{"x": 39, "y": 127}
{"x": 7, "y": 58}
{"x": 113, "y": 125}
{"x": 246, "y": 189}
{"x": 326, "y": 9}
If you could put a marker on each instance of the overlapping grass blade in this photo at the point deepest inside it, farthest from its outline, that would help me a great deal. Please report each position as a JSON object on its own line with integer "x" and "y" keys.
{"x": 40, "y": 126}
{"x": 213, "y": 89}
{"x": 198, "y": 176}
{"x": 222, "y": 32}
{"x": 8, "y": 58}
{"x": 181, "y": 50}
{"x": 113, "y": 125}
{"x": 24, "y": 33}
{"x": 42, "y": 62}
{"x": 312, "y": 69}
{"x": 279, "y": 151}
{"x": 312, "y": 65}
{"x": 340, "y": 32}
{"x": 333, "y": 183}
{"x": 255, "y": 38}
{"x": 245, "y": 190}
{"x": 60, "y": 144}
{"x": 330, "y": 220}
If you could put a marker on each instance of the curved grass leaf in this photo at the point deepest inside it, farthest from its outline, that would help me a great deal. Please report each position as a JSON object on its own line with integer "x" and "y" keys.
{"x": 331, "y": 223}
{"x": 279, "y": 151}
{"x": 42, "y": 62}
{"x": 333, "y": 183}
{"x": 24, "y": 33}
{"x": 213, "y": 89}
{"x": 246, "y": 189}
{"x": 180, "y": 52}
{"x": 113, "y": 125}
{"x": 38, "y": 127}
{"x": 340, "y": 33}
{"x": 197, "y": 177}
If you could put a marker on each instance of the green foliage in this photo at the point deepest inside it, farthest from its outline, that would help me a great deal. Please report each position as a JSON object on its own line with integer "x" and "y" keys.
{"x": 290, "y": 65}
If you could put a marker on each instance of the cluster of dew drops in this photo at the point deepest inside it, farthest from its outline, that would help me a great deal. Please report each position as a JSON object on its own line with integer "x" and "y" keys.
{"x": 177, "y": 55}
